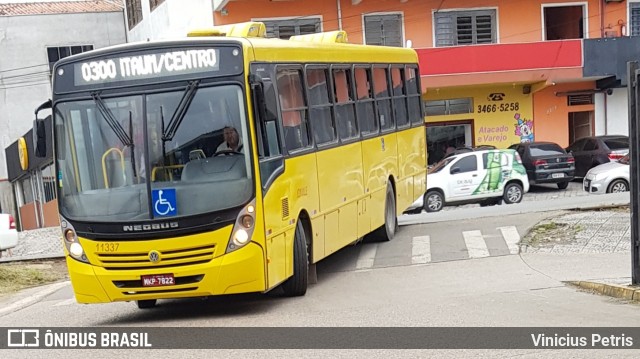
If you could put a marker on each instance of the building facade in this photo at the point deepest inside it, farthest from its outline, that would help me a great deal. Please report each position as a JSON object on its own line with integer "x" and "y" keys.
{"x": 33, "y": 36}
{"x": 165, "y": 19}
{"x": 492, "y": 74}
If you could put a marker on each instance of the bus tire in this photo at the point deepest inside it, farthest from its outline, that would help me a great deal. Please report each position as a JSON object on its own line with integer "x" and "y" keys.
{"x": 390, "y": 226}
{"x": 296, "y": 285}
{"x": 146, "y": 304}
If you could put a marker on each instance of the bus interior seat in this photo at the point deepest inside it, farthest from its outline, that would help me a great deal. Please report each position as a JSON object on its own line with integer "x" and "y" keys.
{"x": 292, "y": 138}
{"x": 116, "y": 177}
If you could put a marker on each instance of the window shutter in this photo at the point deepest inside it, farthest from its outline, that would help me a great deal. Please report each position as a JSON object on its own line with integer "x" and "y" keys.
{"x": 373, "y": 30}
{"x": 484, "y": 29}
{"x": 383, "y": 30}
{"x": 392, "y": 30}
{"x": 445, "y": 30}
{"x": 634, "y": 7}
{"x": 284, "y": 29}
{"x": 465, "y": 27}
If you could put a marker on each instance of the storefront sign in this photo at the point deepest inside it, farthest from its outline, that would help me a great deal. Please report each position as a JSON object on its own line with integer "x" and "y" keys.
{"x": 23, "y": 154}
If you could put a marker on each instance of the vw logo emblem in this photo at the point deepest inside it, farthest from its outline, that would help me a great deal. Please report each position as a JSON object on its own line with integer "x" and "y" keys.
{"x": 154, "y": 256}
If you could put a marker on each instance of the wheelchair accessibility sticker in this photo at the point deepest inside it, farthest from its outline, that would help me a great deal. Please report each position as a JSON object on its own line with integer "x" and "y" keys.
{"x": 164, "y": 202}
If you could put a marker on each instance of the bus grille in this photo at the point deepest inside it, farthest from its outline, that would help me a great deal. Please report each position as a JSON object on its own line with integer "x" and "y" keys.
{"x": 170, "y": 258}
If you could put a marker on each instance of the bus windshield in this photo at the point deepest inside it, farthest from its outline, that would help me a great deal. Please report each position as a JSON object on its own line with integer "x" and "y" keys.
{"x": 141, "y": 157}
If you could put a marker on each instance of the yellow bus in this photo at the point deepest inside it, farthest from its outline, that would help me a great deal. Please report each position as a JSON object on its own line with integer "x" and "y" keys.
{"x": 227, "y": 162}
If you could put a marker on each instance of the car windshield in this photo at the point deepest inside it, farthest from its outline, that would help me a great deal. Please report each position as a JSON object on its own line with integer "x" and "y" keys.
{"x": 182, "y": 150}
{"x": 546, "y": 149}
{"x": 442, "y": 164}
{"x": 617, "y": 144}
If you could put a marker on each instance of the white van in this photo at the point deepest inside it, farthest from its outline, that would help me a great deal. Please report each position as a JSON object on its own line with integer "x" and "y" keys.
{"x": 486, "y": 177}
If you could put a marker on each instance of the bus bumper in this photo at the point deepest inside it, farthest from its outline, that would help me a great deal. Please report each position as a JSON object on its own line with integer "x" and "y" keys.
{"x": 241, "y": 271}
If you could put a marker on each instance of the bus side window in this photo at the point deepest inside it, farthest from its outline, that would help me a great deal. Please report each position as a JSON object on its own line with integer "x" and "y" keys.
{"x": 399, "y": 96}
{"x": 344, "y": 104}
{"x": 322, "y": 122}
{"x": 269, "y": 145}
{"x": 270, "y": 127}
{"x": 294, "y": 110}
{"x": 414, "y": 101}
{"x": 364, "y": 106}
{"x": 383, "y": 97}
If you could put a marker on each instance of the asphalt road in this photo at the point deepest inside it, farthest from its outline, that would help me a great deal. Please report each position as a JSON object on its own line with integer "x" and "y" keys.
{"x": 459, "y": 283}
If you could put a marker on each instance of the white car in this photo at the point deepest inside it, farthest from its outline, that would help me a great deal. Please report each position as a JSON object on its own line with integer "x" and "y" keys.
{"x": 8, "y": 232}
{"x": 610, "y": 177}
{"x": 486, "y": 177}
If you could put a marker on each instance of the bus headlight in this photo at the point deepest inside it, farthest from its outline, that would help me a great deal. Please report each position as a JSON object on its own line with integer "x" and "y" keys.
{"x": 241, "y": 237}
{"x": 243, "y": 228}
{"x": 71, "y": 241}
{"x": 76, "y": 249}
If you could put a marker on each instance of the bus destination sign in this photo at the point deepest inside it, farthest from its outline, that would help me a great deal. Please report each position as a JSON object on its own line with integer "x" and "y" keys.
{"x": 137, "y": 67}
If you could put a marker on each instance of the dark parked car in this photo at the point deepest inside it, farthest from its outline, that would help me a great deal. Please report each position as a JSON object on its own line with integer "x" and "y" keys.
{"x": 596, "y": 150}
{"x": 546, "y": 162}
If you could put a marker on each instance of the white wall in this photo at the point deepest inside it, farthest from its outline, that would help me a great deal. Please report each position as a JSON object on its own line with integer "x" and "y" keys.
{"x": 612, "y": 113}
{"x": 24, "y": 67}
{"x": 172, "y": 19}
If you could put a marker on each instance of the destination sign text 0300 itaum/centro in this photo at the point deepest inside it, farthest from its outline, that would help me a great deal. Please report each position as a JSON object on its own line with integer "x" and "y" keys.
{"x": 145, "y": 66}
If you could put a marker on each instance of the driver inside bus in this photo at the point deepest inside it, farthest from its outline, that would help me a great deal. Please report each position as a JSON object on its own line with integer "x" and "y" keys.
{"x": 231, "y": 141}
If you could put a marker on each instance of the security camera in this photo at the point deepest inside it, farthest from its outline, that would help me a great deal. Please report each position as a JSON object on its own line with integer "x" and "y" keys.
{"x": 609, "y": 92}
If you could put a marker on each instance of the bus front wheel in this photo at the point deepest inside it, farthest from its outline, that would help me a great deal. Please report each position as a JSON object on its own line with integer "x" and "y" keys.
{"x": 297, "y": 284}
{"x": 146, "y": 304}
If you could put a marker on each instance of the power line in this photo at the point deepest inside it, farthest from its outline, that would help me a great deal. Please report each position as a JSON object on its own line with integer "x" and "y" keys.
{"x": 22, "y": 68}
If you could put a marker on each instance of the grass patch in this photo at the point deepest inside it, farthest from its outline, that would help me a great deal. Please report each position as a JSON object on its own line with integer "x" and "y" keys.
{"x": 551, "y": 233}
{"x": 16, "y": 276}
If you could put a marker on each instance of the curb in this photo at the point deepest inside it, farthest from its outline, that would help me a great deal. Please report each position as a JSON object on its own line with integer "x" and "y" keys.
{"x": 31, "y": 257}
{"x": 611, "y": 290}
{"x": 34, "y": 298}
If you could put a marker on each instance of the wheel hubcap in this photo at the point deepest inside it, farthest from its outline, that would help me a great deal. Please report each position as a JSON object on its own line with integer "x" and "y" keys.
{"x": 619, "y": 187}
{"x": 434, "y": 202}
{"x": 513, "y": 194}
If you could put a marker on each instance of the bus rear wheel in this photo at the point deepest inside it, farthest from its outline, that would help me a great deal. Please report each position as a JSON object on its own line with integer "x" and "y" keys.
{"x": 390, "y": 226}
{"x": 297, "y": 285}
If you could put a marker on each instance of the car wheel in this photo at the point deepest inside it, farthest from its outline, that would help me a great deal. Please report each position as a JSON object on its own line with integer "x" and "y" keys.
{"x": 563, "y": 185}
{"x": 618, "y": 186}
{"x": 512, "y": 193}
{"x": 433, "y": 201}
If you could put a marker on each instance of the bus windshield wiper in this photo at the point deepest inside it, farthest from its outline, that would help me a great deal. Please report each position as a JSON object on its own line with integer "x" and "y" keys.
{"x": 181, "y": 111}
{"x": 111, "y": 120}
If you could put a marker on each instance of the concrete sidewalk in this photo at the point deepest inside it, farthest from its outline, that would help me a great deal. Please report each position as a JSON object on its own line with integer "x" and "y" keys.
{"x": 40, "y": 243}
{"x": 573, "y": 239}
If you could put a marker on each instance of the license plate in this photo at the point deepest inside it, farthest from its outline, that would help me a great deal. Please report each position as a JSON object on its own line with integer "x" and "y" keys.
{"x": 157, "y": 280}
{"x": 557, "y": 175}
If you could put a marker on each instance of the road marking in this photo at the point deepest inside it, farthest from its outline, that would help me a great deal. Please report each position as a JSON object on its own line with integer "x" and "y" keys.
{"x": 476, "y": 245}
{"x": 421, "y": 250}
{"x": 512, "y": 237}
{"x": 367, "y": 256}
{"x": 65, "y": 302}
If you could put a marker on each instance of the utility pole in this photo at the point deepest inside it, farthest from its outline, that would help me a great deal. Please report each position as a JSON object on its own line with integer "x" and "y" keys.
{"x": 633, "y": 94}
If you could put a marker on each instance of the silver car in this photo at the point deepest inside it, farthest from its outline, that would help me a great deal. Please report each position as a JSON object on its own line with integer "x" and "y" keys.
{"x": 610, "y": 177}
{"x": 8, "y": 233}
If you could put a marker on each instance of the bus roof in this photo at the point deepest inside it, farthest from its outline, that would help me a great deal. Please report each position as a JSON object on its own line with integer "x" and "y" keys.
{"x": 272, "y": 50}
